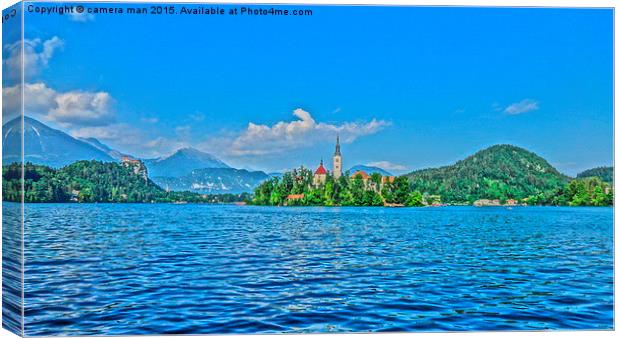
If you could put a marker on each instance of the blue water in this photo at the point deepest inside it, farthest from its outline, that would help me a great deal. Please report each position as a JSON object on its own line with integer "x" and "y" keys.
{"x": 12, "y": 267}
{"x": 148, "y": 269}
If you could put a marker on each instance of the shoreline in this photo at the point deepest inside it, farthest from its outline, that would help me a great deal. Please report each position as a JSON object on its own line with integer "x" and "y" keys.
{"x": 319, "y": 206}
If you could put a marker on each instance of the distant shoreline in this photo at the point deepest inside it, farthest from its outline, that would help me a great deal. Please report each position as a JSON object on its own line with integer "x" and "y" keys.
{"x": 319, "y": 206}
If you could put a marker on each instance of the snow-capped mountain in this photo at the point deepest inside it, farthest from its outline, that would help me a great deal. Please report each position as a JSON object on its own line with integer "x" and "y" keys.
{"x": 45, "y": 145}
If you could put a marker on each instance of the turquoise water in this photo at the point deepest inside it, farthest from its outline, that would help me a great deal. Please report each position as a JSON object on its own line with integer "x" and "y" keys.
{"x": 150, "y": 269}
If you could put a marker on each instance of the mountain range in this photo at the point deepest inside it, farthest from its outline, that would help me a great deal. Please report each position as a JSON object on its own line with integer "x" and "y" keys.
{"x": 186, "y": 169}
{"x": 501, "y": 170}
{"x": 54, "y": 148}
{"x": 369, "y": 170}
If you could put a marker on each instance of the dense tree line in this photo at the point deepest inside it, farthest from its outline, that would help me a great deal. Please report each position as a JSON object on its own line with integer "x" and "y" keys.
{"x": 606, "y": 174}
{"x": 589, "y": 191}
{"x": 93, "y": 182}
{"x": 502, "y": 173}
{"x": 499, "y": 172}
{"x": 345, "y": 191}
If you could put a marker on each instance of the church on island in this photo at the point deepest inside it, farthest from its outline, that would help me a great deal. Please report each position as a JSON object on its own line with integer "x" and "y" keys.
{"x": 320, "y": 174}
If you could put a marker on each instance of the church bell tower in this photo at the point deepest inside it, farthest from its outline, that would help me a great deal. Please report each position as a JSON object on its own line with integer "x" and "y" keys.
{"x": 337, "y": 160}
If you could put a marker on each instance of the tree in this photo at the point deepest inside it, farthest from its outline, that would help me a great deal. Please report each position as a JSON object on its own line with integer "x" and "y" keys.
{"x": 388, "y": 192}
{"x": 328, "y": 191}
{"x": 357, "y": 190}
{"x": 599, "y": 198}
{"x": 313, "y": 197}
{"x": 415, "y": 199}
{"x": 401, "y": 190}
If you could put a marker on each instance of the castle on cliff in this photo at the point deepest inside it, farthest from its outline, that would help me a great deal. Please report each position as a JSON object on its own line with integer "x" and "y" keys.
{"x": 136, "y": 165}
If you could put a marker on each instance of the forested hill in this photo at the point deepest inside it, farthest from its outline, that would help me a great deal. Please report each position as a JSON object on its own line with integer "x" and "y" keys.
{"x": 606, "y": 174}
{"x": 93, "y": 181}
{"x": 498, "y": 172}
{"x": 82, "y": 181}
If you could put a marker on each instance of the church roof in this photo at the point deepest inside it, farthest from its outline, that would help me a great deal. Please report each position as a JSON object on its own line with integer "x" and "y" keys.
{"x": 337, "y": 152}
{"x": 321, "y": 170}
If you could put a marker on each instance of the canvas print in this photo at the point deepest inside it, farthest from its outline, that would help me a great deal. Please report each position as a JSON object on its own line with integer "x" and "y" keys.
{"x": 174, "y": 168}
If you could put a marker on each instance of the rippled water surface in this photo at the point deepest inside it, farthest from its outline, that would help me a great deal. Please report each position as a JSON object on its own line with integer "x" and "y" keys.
{"x": 145, "y": 269}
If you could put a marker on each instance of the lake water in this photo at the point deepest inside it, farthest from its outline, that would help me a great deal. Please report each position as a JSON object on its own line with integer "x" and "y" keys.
{"x": 149, "y": 269}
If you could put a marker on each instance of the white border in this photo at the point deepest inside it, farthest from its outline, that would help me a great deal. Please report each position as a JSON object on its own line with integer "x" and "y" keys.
{"x": 475, "y": 3}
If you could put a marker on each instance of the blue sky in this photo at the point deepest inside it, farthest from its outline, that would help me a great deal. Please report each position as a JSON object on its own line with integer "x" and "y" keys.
{"x": 406, "y": 88}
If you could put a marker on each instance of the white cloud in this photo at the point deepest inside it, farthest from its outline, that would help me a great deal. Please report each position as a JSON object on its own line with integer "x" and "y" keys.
{"x": 83, "y": 108}
{"x": 37, "y": 54}
{"x": 38, "y": 98}
{"x": 88, "y": 114}
{"x": 131, "y": 139}
{"x": 81, "y": 17}
{"x": 386, "y": 165}
{"x": 521, "y": 107}
{"x": 74, "y": 108}
{"x": 259, "y": 139}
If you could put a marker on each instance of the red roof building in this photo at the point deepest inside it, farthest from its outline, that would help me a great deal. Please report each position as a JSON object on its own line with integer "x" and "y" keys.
{"x": 321, "y": 170}
{"x": 320, "y": 175}
{"x": 362, "y": 174}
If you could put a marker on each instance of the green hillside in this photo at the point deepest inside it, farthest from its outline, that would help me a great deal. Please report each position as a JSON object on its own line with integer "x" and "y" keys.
{"x": 499, "y": 172}
{"x": 93, "y": 181}
{"x": 83, "y": 181}
{"x": 606, "y": 174}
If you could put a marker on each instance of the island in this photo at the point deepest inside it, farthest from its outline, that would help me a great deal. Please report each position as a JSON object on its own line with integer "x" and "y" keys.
{"x": 501, "y": 175}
